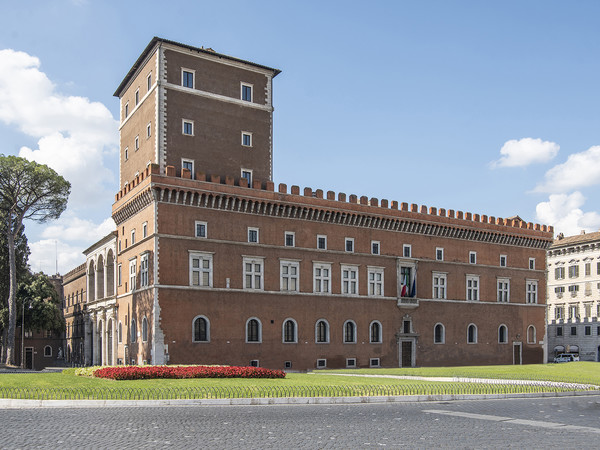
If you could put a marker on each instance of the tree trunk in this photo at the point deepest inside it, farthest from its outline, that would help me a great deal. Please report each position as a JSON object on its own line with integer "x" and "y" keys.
{"x": 12, "y": 299}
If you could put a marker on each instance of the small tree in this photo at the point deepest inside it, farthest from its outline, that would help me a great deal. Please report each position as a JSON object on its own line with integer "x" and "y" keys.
{"x": 44, "y": 304}
{"x": 28, "y": 190}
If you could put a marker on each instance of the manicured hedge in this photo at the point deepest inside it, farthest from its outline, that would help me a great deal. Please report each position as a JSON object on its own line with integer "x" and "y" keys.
{"x": 149, "y": 372}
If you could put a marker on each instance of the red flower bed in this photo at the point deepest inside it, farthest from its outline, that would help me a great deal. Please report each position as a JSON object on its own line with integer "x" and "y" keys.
{"x": 150, "y": 372}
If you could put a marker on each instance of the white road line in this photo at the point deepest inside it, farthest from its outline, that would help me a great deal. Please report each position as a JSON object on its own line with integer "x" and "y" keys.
{"x": 531, "y": 423}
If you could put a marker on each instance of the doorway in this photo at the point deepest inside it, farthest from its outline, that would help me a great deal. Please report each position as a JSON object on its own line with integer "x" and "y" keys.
{"x": 517, "y": 353}
{"x": 29, "y": 358}
{"x": 406, "y": 354}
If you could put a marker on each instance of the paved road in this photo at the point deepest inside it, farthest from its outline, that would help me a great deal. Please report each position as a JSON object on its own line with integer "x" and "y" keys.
{"x": 522, "y": 423}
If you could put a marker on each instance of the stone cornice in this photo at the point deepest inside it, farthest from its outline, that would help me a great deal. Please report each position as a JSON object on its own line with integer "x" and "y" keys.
{"x": 140, "y": 201}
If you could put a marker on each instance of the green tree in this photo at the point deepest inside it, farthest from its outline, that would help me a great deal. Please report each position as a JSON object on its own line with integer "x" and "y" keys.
{"x": 42, "y": 304}
{"x": 33, "y": 191}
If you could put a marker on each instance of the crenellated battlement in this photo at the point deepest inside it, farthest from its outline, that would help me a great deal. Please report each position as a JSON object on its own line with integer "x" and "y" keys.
{"x": 340, "y": 197}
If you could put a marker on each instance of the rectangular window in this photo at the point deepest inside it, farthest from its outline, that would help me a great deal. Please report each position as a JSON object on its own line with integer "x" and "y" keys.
{"x": 573, "y": 271}
{"x": 502, "y": 260}
{"x": 375, "y": 246}
{"x": 351, "y": 362}
{"x": 246, "y": 139}
{"x": 132, "y": 274}
{"x": 472, "y": 287}
{"x": 349, "y": 245}
{"x": 119, "y": 276}
{"x": 559, "y": 291}
{"x": 439, "y": 285}
{"x": 322, "y": 242}
{"x": 503, "y": 290}
{"x": 145, "y": 229}
{"x": 148, "y": 130}
{"x": 532, "y": 287}
{"x": 187, "y": 78}
{"x": 559, "y": 312}
{"x": 188, "y": 164}
{"x": 587, "y": 310}
{"x": 201, "y": 273}
{"x": 149, "y": 81}
{"x": 573, "y": 312}
{"x": 253, "y": 273}
{"x": 531, "y": 263}
{"x": 133, "y": 236}
{"x": 587, "y": 330}
{"x": 137, "y": 143}
{"x": 290, "y": 239}
{"x": 289, "y": 275}
{"x": 253, "y": 235}
{"x": 588, "y": 269}
{"x": 247, "y": 174}
{"x": 246, "y": 92}
{"x": 598, "y": 268}
{"x": 137, "y": 96}
{"x": 559, "y": 273}
{"x": 375, "y": 275}
{"x": 559, "y": 331}
{"x": 406, "y": 250}
{"x": 126, "y": 109}
{"x": 126, "y": 153}
{"x": 439, "y": 254}
{"x": 200, "y": 229}
{"x": 144, "y": 281}
{"x": 374, "y": 362}
{"x": 472, "y": 257}
{"x": 322, "y": 278}
{"x": 350, "y": 280}
{"x": 573, "y": 331}
{"x": 188, "y": 127}
{"x": 574, "y": 289}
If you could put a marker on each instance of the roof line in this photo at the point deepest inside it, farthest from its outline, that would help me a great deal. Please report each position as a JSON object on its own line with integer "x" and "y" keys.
{"x": 156, "y": 40}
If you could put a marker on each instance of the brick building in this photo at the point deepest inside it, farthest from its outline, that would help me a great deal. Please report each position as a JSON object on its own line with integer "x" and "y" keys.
{"x": 211, "y": 263}
{"x": 574, "y": 296}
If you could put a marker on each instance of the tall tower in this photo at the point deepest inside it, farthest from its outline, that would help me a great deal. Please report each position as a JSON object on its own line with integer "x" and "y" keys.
{"x": 196, "y": 109}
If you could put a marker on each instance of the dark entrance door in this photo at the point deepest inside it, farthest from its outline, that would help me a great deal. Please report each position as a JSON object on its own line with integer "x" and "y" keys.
{"x": 406, "y": 354}
{"x": 517, "y": 353}
{"x": 29, "y": 358}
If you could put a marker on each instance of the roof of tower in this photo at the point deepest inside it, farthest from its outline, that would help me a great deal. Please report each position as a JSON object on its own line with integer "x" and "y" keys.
{"x": 209, "y": 51}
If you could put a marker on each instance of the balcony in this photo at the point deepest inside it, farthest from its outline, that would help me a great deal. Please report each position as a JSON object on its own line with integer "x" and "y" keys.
{"x": 408, "y": 302}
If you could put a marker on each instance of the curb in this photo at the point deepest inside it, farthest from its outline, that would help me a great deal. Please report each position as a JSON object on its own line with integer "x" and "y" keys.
{"x": 27, "y": 404}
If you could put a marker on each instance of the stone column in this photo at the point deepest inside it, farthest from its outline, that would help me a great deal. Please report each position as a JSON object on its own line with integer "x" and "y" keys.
{"x": 103, "y": 333}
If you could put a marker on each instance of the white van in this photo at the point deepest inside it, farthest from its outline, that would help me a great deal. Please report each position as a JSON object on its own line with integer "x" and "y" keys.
{"x": 566, "y": 357}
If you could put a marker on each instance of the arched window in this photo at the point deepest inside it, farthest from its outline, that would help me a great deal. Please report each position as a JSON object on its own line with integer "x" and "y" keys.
{"x": 349, "y": 332}
{"x": 472, "y": 334}
{"x": 201, "y": 329}
{"x": 144, "y": 329}
{"x": 133, "y": 331}
{"x": 120, "y": 333}
{"x": 375, "y": 332}
{"x": 322, "y": 332}
{"x": 502, "y": 334}
{"x": 253, "y": 330}
{"x": 531, "y": 334}
{"x": 47, "y": 351}
{"x": 439, "y": 334}
{"x": 289, "y": 331}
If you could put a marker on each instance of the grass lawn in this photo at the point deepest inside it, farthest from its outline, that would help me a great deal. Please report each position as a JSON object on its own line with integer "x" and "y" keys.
{"x": 322, "y": 383}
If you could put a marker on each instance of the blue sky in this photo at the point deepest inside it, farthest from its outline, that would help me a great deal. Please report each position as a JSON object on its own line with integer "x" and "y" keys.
{"x": 487, "y": 107}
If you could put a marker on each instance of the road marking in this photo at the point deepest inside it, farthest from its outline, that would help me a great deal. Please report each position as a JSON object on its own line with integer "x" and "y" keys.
{"x": 531, "y": 423}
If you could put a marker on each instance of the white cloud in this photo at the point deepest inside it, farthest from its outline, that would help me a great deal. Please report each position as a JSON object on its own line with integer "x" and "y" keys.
{"x": 73, "y": 229}
{"x": 580, "y": 170}
{"x": 564, "y": 213}
{"x": 74, "y": 133}
{"x": 44, "y": 254}
{"x": 524, "y": 152}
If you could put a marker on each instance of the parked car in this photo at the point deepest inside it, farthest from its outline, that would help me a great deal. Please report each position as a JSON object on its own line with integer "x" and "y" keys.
{"x": 566, "y": 357}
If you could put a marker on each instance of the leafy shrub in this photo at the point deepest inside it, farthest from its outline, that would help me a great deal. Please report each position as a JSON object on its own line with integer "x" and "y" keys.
{"x": 151, "y": 372}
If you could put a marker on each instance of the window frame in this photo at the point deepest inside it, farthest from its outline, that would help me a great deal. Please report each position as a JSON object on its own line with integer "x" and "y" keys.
{"x": 503, "y": 261}
{"x": 354, "y": 336}
{"x": 406, "y": 250}
{"x": 531, "y": 291}
{"x": 472, "y": 257}
{"x": 472, "y": 289}
{"x": 149, "y": 81}
{"x": 259, "y": 331}
{"x": 192, "y": 72}
{"x": 148, "y": 130}
{"x": 201, "y": 257}
{"x": 375, "y": 248}
{"x": 249, "y": 136}
{"x": 287, "y": 234}
{"x": 132, "y": 331}
{"x": 534, "y": 337}
{"x": 253, "y": 261}
{"x": 185, "y": 122}
{"x": 379, "y": 340}
{"x": 249, "y": 172}
{"x": 474, "y": 340}
{"x": 439, "y": 253}
{"x": 442, "y": 339}
{"x": 137, "y": 143}
{"x": 322, "y": 237}
{"x": 132, "y": 274}
{"x": 249, "y": 86}
{"x": 252, "y": 233}
{"x": 137, "y": 96}
{"x": 144, "y": 230}
{"x": 503, "y": 292}
{"x": 203, "y": 226}
{"x": 289, "y": 264}
{"x": 531, "y": 264}
{"x": 349, "y": 244}
{"x": 206, "y": 331}
{"x": 443, "y": 286}
{"x": 505, "y": 340}
{"x": 349, "y": 284}
{"x": 284, "y": 333}
{"x": 321, "y": 266}
{"x": 144, "y": 270}
{"x": 327, "y": 332}
{"x": 373, "y": 284}
{"x": 144, "y": 329}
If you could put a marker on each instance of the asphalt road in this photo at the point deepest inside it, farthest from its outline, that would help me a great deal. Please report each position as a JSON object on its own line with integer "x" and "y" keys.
{"x": 519, "y": 423}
